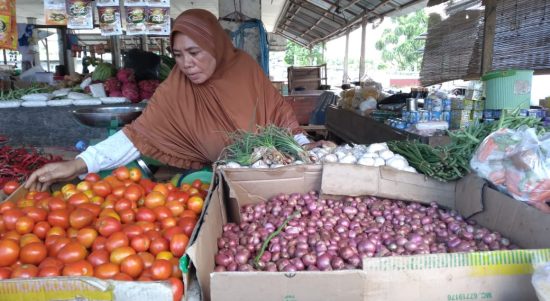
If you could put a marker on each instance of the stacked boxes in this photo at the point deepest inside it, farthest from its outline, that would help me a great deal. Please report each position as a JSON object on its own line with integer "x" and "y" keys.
{"x": 465, "y": 112}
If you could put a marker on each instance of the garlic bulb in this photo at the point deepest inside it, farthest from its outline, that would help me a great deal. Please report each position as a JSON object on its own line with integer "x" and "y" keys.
{"x": 366, "y": 161}
{"x": 232, "y": 164}
{"x": 379, "y": 162}
{"x": 348, "y": 159}
{"x": 259, "y": 164}
{"x": 330, "y": 158}
{"x": 386, "y": 155}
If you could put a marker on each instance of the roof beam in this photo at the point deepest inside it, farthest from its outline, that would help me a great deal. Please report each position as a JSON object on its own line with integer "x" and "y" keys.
{"x": 320, "y": 12}
{"x": 295, "y": 14}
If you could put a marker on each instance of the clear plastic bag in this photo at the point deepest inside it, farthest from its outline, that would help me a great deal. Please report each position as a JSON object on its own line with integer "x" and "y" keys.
{"x": 541, "y": 281}
{"x": 517, "y": 162}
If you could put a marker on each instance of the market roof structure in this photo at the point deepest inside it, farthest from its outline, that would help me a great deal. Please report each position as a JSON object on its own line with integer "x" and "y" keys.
{"x": 308, "y": 22}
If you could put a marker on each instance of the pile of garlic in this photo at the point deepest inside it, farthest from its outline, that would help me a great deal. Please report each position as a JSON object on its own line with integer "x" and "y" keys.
{"x": 376, "y": 154}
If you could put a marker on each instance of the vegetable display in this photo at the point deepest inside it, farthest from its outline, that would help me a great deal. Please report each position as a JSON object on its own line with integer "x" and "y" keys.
{"x": 122, "y": 227}
{"x": 299, "y": 232}
{"x": 16, "y": 164}
{"x": 451, "y": 162}
{"x": 19, "y": 93}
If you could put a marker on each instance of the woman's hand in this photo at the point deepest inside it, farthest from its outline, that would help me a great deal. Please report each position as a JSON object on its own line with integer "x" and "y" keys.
{"x": 320, "y": 143}
{"x": 41, "y": 179}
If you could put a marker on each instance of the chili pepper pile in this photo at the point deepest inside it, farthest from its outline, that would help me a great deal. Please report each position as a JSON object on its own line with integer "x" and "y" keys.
{"x": 452, "y": 162}
{"x": 18, "y": 163}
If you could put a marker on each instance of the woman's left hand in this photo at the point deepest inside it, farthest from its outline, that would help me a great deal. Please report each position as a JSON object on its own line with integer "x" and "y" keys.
{"x": 320, "y": 143}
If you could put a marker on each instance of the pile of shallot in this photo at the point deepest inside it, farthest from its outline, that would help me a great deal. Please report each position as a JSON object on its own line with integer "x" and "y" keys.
{"x": 304, "y": 232}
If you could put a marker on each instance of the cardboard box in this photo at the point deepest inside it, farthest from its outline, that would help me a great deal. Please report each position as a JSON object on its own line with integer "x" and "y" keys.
{"x": 80, "y": 288}
{"x": 502, "y": 275}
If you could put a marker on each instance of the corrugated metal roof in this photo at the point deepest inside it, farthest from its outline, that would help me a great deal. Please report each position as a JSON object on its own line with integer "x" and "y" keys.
{"x": 308, "y": 22}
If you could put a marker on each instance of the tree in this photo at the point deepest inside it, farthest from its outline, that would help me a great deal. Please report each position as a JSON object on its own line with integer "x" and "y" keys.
{"x": 400, "y": 46}
{"x": 297, "y": 55}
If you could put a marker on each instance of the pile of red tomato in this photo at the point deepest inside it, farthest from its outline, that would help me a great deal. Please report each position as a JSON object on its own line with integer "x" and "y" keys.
{"x": 122, "y": 227}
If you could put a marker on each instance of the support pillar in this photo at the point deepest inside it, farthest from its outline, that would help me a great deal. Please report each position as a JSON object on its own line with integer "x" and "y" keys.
{"x": 362, "y": 57}
{"x": 345, "y": 77}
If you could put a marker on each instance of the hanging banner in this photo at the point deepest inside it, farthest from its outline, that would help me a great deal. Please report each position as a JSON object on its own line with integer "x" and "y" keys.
{"x": 158, "y": 21}
{"x": 136, "y": 17}
{"x": 8, "y": 25}
{"x": 107, "y": 3}
{"x": 80, "y": 14}
{"x": 158, "y": 3}
{"x": 55, "y": 12}
{"x": 109, "y": 20}
{"x": 135, "y": 3}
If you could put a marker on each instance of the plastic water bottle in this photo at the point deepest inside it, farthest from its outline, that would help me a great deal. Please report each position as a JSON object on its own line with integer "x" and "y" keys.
{"x": 81, "y": 145}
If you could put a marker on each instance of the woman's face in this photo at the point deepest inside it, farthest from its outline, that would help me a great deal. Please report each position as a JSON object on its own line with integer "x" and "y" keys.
{"x": 197, "y": 64}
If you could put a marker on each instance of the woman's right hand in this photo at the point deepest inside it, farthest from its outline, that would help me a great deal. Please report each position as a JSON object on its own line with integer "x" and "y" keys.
{"x": 42, "y": 178}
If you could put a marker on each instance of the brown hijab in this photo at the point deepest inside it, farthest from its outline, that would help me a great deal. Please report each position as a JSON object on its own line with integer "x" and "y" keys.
{"x": 186, "y": 125}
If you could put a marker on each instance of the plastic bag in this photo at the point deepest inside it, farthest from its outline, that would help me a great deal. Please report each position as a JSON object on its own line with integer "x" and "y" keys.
{"x": 517, "y": 162}
{"x": 541, "y": 281}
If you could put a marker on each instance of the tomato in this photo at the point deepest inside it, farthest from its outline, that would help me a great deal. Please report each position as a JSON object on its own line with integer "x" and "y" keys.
{"x": 168, "y": 222}
{"x": 33, "y": 253}
{"x": 147, "y": 258}
{"x": 12, "y": 235}
{"x": 24, "y": 225}
{"x": 56, "y": 203}
{"x": 72, "y": 233}
{"x": 69, "y": 193}
{"x": 109, "y": 212}
{"x": 106, "y": 271}
{"x": 177, "y": 288}
{"x": 86, "y": 236}
{"x": 188, "y": 224}
{"x": 98, "y": 257}
{"x": 25, "y": 203}
{"x": 158, "y": 245}
{"x": 99, "y": 243}
{"x": 164, "y": 255}
{"x": 24, "y": 271}
{"x": 51, "y": 262}
{"x": 41, "y": 195}
{"x": 58, "y": 243}
{"x": 178, "y": 244}
{"x": 135, "y": 174}
{"x": 68, "y": 187}
{"x": 72, "y": 252}
{"x": 127, "y": 216}
{"x": 196, "y": 184}
{"x": 92, "y": 177}
{"x": 5, "y": 206}
{"x": 123, "y": 204}
{"x": 132, "y": 231}
{"x": 118, "y": 192}
{"x": 10, "y": 187}
{"x": 176, "y": 207}
{"x": 37, "y": 214}
{"x": 9, "y": 252}
{"x": 27, "y": 239}
{"x": 132, "y": 265}
{"x": 170, "y": 187}
{"x": 193, "y": 191}
{"x": 121, "y": 173}
{"x": 154, "y": 199}
{"x": 153, "y": 234}
{"x": 78, "y": 198}
{"x": 147, "y": 184}
{"x": 95, "y": 209}
{"x": 107, "y": 226}
{"x": 189, "y": 213}
{"x": 170, "y": 232}
{"x": 140, "y": 243}
{"x": 101, "y": 188}
{"x": 5, "y": 273}
{"x": 195, "y": 204}
{"x": 59, "y": 217}
{"x": 176, "y": 271}
{"x": 118, "y": 254}
{"x": 162, "y": 188}
{"x": 161, "y": 269}
{"x": 81, "y": 218}
{"x": 123, "y": 277}
{"x": 41, "y": 229}
{"x": 97, "y": 200}
{"x": 205, "y": 187}
{"x": 10, "y": 217}
{"x": 2, "y": 226}
{"x": 116, "y": 240}
{"x": 90, "y": 194}
{"x": 146, "y": 226}
{"x": 78, "y": 268}
{"x": 145, "y": 214}
{"x": 133, "y": 192}
{"x": 185, "y": 187}
{"x": 84, "y": 185}
{"x": 56, "y": 231}
{"x": 49, "y": 271}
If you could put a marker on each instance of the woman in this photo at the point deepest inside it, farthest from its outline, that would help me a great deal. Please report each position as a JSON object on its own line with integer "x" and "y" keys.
{"x": 215, "y": 89}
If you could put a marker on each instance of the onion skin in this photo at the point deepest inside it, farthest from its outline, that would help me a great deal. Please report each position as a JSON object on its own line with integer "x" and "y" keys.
{"x": 302, "y": 232}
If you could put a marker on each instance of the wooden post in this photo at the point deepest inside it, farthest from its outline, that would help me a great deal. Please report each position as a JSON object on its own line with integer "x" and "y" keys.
{"x": 488, "y": 35}
{"x": 362, "y": 57}
{"x": 47, "y": 52}
{"x": 5, "y": 57}
{"x": 345, "y": 78}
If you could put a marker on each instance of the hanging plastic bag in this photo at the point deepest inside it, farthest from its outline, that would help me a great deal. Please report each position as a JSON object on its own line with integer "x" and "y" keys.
{"x": 517, "y": 162}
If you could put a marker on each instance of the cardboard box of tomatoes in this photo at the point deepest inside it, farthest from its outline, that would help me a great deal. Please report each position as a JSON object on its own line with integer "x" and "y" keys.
{"x": 494, "y": 275}
{"x": 116, "y": 238}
